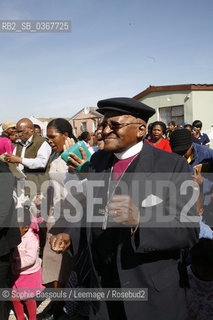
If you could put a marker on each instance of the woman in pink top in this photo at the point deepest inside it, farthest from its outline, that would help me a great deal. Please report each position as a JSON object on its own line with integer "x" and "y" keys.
{"x": 157, "y": 130}
{"x": 26, "y": 269}
{"x": 8, "y": 136}
{"x": 6, "y": 145}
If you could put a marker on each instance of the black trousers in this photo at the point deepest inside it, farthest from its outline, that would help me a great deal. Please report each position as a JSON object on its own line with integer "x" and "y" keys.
{"x": 4, "y": 270}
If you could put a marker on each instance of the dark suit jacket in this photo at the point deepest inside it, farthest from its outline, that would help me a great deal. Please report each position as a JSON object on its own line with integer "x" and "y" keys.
{"x": 151, "y": 258}
{"x": 9, "y": 231}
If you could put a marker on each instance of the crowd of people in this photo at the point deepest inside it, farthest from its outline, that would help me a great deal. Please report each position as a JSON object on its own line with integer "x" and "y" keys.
{"x": 140, "y": 217}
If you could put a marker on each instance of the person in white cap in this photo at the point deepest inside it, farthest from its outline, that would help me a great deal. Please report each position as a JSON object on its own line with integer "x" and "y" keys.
{"x": 6, "y": 145}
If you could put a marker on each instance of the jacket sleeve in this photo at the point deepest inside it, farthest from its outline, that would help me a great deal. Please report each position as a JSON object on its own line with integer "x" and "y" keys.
{"x": 28, "y": 252}
{"x": 9, "y": 147}
{"x": 6, "y": 195}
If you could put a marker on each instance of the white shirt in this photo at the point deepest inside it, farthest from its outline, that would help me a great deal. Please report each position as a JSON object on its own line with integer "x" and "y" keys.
{"x": 41, "y": 159}
{"x": 132, "y": 151}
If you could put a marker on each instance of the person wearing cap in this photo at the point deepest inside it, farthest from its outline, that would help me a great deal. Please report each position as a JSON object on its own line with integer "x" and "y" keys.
{"x": 6, "y": 145}
{"x": 181, "y": 143}
{"x": 129, "y": 246}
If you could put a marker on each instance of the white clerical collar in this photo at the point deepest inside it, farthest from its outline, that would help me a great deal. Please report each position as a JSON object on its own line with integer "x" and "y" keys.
{"x": 25, "y": 144}
{"x": 130, "y": 152}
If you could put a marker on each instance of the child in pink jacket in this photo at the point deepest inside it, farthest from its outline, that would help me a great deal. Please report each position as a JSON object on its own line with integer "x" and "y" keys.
{"x": 26, "y": 269}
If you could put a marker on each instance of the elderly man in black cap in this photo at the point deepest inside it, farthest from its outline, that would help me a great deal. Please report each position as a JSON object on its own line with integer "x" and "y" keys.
{"x": 136, "y": 236}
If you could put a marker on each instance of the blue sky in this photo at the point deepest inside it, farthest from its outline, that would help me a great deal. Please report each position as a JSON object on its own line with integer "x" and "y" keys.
{"x": 116, "y": 48}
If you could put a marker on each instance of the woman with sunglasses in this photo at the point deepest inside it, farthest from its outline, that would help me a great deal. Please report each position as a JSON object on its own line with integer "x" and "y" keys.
{"x": 156, "y": 139}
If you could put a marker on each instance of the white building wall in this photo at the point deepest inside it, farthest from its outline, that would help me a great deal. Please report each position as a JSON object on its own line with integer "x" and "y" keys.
{"x": 203, "y": 109}
{"x": 167, "y": 99}
{"x": 42, "y": 124}
{"x": 198, "y": 105}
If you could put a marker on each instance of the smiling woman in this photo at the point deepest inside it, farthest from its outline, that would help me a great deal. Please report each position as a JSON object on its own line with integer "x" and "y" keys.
{"x": 156, "y": 139}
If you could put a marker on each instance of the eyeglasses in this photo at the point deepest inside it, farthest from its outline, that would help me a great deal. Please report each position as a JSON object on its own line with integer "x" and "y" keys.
{"x": 116, "y": 125}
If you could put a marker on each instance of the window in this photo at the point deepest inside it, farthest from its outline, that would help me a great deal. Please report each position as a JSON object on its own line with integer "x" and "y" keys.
{"x": 94, "y": 124}
{"x": 174, "y": 113}
{"x": 83, "y": 126}
{"x": 75, "y": 131}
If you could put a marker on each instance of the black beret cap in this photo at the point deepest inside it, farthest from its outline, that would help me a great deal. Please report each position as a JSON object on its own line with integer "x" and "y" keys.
{"x": 180, "y": 140}
{"x": 126, "y": 106}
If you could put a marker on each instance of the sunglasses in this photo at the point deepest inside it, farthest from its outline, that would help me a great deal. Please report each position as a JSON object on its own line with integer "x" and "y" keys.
{"x": 113, "y": 125}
